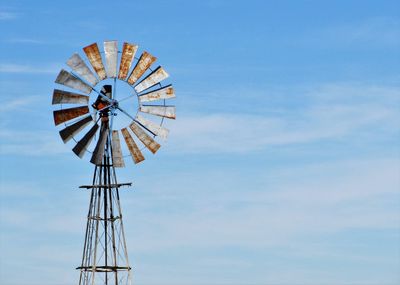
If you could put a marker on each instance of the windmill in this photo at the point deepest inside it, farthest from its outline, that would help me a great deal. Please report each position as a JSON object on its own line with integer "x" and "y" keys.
{"x": 91, "y": 127}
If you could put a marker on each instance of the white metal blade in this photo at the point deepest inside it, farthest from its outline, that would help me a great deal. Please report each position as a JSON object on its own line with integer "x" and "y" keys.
{"x": 93, "y": 54}
{"x": 162, "y": 111}
{"x": 80, "y": 67}
{"x": 144, "y": 63}
{"x": 166, "y": 92}
{"x": 98, "y": 153}
{"x": 111, "y": 51}
{"x": 70, "y": 131}
{"x": 117, "y": 158}
{"x": 152, "y": 79}
{"x": 65, "y": 97}
{"x": 151, "y": 144}
{"x": 136, "y": 154}
{"x": 67, "y": 79}
{"x": 153, "y": 127}
{"x": 128, "y": 52}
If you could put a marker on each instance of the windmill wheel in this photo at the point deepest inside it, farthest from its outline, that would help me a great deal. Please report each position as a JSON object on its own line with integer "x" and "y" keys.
{"x": 91, "y": 126}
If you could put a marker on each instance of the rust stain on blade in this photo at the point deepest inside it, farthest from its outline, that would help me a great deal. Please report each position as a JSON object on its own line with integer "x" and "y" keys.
{"x": 151, "y": 144}
{"x": 111, "y": 52}
{"x": 70, "y": 131}
{"x": 65, "y": 97}
{"x": 137, "y": 155}
{"x": 80, "y": 67}
{"x": 162, "y": 111}
{"x": 128, "y": 52}
{"x": 152, "y": 79}
{"x": 98, "y": 152}
{"x": 166, "y": 92}
{"x": 117, "y": 158}
{"x": 145, "y": 61}
{"x": 153, "y": 127}
{"x": 61, "y": 116}
{"x": 81, "y": 146}
{"x": 93, "y": 54}
{"x": 67, "y": 79}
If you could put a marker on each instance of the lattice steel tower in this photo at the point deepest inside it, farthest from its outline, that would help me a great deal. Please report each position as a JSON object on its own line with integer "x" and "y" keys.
{"x": 105, "y": 255}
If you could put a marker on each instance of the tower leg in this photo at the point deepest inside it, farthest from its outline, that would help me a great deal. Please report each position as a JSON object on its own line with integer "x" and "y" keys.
{"x": 105, "y": 256}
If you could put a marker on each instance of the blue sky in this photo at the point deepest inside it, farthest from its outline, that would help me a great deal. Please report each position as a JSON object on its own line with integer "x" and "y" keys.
{"x": 283, "y": 166}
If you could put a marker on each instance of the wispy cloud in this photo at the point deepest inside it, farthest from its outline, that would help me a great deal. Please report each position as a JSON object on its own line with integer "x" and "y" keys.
{"x": 24, "y": 68}
{"x": 19, "y": 103}
{"x": 333, "y": 112}
{"x": 5, "y": 15}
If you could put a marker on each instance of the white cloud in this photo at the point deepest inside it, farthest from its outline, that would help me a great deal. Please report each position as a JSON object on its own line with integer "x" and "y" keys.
{"x": 8, "y": 15}
{"x": 24, "y": 68}
{"x": 334, "y": 112}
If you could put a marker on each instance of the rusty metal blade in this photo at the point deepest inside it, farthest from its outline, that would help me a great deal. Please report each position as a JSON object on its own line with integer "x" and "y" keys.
{"x": 65, "y": 97}
{"x": 117, "y": 158}
{"x": 137, "y": 155}
{"x": 70, "y": 131}
{"x": 152, "y": 79}
{"x": 162, "y": 111}
{"x": 145, "y": 61}
{"x": 128, "y": 52}
{"x": 166, "y": 92}
{"x": 67, "y": 79}
{"x": 80, "y": 67}
{"x": 111, "y": 52}
{"x": 93, "y": 54}
{"x": 81, "y": 146}
{"x": 98, "y": 153}
{"x": 151, "y": 144}
{"x": 61, "y": 116}
{"x": 153, "y": 127}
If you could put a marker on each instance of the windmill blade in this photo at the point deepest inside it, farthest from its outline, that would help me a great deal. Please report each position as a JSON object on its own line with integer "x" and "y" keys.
{"x": 65, "y": 97}
{"x": 145, "y": 61}
{"x": 70, "y": 131}
{"x": 137, "y": 155}
{"x": 153, "y": 127}
{"x": 81, "y": 146}
{"x": 117, "y": 158}
{"x": 79, "y": 66}
{"x": 166, "y": 92}
{"x": 98, "y": 152}
{"x": 152, "y": 79}
{"x": 128, "y": 52}
{"x": 111, "y": 51}
{"x": 151, "y": 144}
{"x": 61, "y": 116}
{"x": 162, "y": 111}
{"x": 67, "y": 79}
{"x": 93, "y": 54}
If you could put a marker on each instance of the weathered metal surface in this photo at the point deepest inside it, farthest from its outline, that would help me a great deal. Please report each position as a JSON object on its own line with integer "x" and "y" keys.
{"x": 117, "y": 158}
{"x": 65, "y": 97}
{"x": 145, "y": 61}
{"x": 162, "y": 111}
{"x": 93, "y": 54}
{"x": 67, "y": 79}
{"x": 151, "y": 144}
{"x": 111, "y": 52}
{"x": 137, "y": 155}
{"x": 98, "y": 153}
{"x": 61, "y": 116}
{"x": 153, "y": 127}
{"x": 70, "y": 131}
{"x": 81, "y": 146}
{"x": 80, "y": 67}
{"x": 166, "y": 92}
{"x": 128, "y": 52}
{"x": 152, "y": 79}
